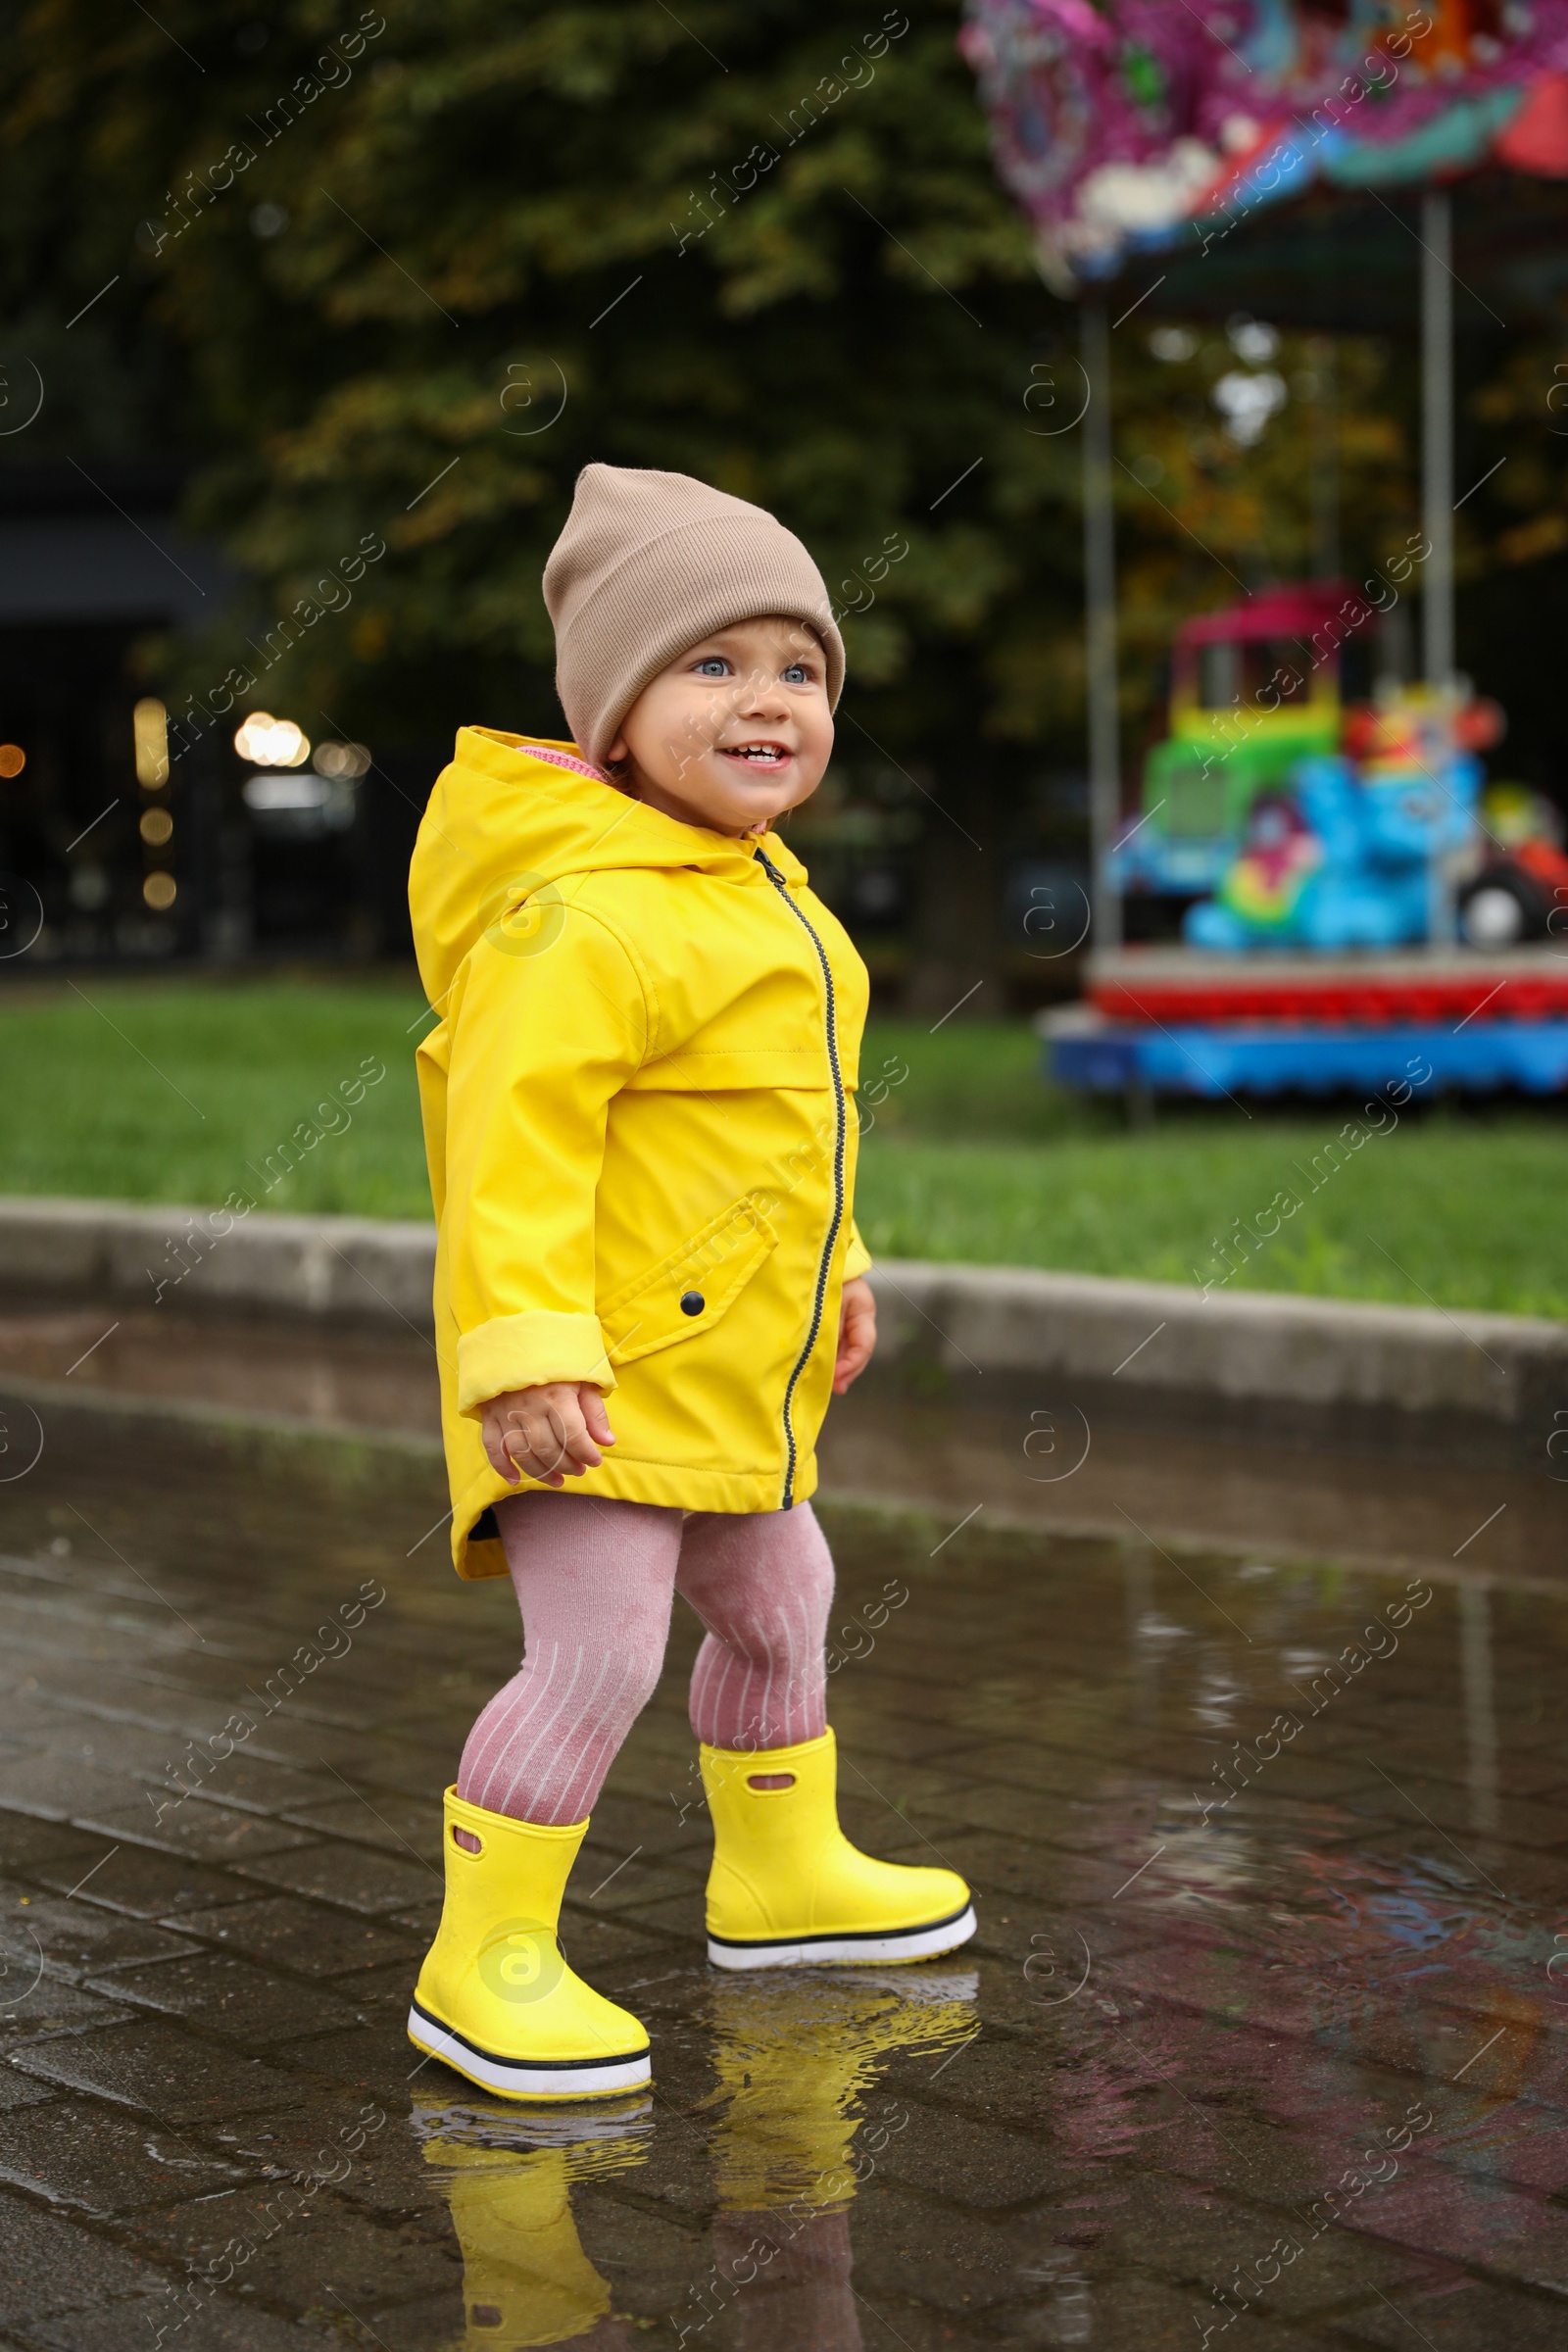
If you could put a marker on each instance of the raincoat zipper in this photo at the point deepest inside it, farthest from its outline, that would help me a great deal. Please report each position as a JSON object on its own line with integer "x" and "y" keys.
{"x": 831, "y": 1026}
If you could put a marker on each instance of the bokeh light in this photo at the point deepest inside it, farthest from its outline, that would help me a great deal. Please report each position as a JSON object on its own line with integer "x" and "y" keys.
{"x": 272, "y": 742}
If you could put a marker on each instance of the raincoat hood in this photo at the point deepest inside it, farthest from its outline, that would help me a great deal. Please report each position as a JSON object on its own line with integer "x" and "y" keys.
{"x": 515, "y": 814}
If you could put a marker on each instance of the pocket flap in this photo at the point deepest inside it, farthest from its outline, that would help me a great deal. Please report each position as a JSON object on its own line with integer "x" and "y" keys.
{"x": 687, "y": 1291}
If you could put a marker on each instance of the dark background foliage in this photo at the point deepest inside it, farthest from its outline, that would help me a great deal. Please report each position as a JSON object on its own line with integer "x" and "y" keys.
{"x": 403, "y": 273}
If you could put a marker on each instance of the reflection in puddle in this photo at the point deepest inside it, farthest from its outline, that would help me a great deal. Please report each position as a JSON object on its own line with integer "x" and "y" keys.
{"x": 506, "y": 2177}
{"x": 797, "y": 2054}
{"x": 798, "y": 2124}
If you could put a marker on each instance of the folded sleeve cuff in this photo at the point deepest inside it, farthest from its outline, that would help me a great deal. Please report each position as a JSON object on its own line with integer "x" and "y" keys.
{"x": 857, "y": 1257}
{"x": 523, "y": 1351}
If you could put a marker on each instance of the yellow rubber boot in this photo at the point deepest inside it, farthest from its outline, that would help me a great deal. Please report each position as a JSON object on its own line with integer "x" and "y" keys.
{"x": 495, "y": 1999}
{"x": 787, "y": 1889}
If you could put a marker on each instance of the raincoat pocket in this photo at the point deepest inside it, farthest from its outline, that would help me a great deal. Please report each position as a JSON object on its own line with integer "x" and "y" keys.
{"x": 689, "y": 1290}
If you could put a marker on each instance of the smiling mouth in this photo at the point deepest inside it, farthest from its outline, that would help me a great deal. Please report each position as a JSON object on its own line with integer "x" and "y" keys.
{"x": 757, "y": 755}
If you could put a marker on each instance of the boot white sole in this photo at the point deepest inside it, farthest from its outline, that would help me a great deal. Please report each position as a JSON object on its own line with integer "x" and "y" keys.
{"x": 808, "y": 1951}
{"x": 515, "y": 2079}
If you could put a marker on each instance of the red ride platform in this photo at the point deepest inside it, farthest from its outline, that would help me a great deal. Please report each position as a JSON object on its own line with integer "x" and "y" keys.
{"x": 1181, "y": 985}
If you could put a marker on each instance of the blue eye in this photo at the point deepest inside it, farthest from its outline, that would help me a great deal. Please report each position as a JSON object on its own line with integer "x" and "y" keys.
{"x": 713, "y": 666}
{"x": 797, "y": 675}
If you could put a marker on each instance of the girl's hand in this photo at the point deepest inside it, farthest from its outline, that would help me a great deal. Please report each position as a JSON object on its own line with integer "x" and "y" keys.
{"x": 857, "y": 1333}
{"x": 551, "y": 1433}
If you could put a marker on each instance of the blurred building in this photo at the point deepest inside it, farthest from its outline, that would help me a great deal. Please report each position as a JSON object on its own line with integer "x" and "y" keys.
{"x": 110, "y": 850}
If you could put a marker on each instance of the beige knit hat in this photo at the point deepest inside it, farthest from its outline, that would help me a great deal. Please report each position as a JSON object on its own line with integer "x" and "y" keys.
{"x": 651, "y": 562}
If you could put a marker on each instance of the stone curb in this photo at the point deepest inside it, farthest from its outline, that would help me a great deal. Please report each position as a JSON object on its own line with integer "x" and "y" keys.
{"x": 1158, "y": 1342}
{"x": 329, "y": 1269}
{"x": 1244, "y": 1347}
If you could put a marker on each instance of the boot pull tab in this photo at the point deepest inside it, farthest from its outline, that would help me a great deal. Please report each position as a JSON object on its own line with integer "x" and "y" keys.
{"x": 768, "y": 1781}
{"x": 466, "y": 1839}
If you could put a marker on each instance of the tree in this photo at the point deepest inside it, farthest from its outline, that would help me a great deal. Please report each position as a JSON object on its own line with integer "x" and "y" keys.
{"x": 391, "y": 280}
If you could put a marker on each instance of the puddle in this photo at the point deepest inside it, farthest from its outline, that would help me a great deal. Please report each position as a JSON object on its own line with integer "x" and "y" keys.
{"x": 1028, "y": 1459}
{"x": 1264, "y": 2036}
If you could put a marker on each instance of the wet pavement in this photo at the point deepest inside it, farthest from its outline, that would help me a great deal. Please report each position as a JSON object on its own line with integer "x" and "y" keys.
{"x": 1264, "y": 2036}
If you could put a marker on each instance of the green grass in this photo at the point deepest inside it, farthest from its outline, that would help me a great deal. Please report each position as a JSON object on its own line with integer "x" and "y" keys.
{"x": 185, "y": 1092}
{"x": 1461, "y": 1208}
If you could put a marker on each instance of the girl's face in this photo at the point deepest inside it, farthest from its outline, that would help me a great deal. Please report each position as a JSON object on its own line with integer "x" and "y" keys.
{"x": 734, "y": 731}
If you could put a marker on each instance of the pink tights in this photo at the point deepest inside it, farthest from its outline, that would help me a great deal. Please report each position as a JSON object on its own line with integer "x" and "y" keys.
{"x": 594, "y": 1581}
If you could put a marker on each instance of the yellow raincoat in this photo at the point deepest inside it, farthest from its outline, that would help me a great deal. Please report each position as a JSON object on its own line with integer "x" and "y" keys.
{"x": 640, "y": 1121}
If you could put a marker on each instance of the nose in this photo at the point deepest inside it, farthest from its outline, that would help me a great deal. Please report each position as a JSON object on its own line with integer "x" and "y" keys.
{"x": 760, "y": 695}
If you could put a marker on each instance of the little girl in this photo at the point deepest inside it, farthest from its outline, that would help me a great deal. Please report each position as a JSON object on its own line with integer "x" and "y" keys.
{"x": 638, "y": 1112}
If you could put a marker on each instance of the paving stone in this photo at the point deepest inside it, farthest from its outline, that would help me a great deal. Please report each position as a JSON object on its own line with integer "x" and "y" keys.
{"x": 677, "y": 1916}
{"x": 377, "y": 2060}
{"x": 44, "y": 2006}
{"x": 1458, "y": 2315}
{"x": 26, "y": 1840}
{"x": 369, "y": 1758}
{"x": 903, "y": 2244}
{"x": 160, "y": 2069}
{"x": 990, "y": 2078}
{"x": 102, "y": 2161}
{"x": 18, "y": 2090}
{"x": 361, "y": 2148}
{"x": 63, "y": 1698}
{"x": 336, "y": 1872}
{"x": 433, "y": 2323}
{"x": 379, "y": 1818}
{"x": 1519, "y": 1821}
{"x": 1510, "y": 2233}
{"x": 310, "y": 1939}
{"x": 141, "y": 1751}
{"x": 603, "y": 1950}
{"x": 206, "y": 2323}
{"x": 997, "y": 1865}
{"x": 1526, "y": 2146}
{"x": 421, "y": 1920}
{"x": 1047, "y": 1771}
{"x": 207, "y": 1832}
{"x": 1517, "y": 1772}
{"x": 58, "y": 1789}
{"x": 232, "y": 1998}
{"x": 604, "y": 1885}
{"x": 377, "y": 1992}
{"x": 1129, "y": 2314}
{"x": 291, "y": 2244}
{"x": 971, "y": 2163}
{"x": 253, "y": 1782}
{"x": 885, "y": 1730}
{"x": 622, "y": 1822}
{"x": 1514, "y": 1877}
{"x": 141, "y": 1881}
{"x": 49, "y": 2264}
{"x": 647, "y": 2260}
{"x": 74, "y": 1937}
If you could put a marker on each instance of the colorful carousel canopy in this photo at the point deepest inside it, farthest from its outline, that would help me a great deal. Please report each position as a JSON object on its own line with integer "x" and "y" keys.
{"x": 1267, "y": 152}
{"x": 1144, "y": 128}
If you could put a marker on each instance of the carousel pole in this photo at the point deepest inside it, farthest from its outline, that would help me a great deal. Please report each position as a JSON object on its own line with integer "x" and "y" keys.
{"x": 1437, "y": 498}
{"x": 1099, "y": 614}
{"x": 1437, "y": 435}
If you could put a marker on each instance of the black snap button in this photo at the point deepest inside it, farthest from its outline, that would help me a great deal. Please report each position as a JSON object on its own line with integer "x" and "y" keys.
{"x": 692, "y": 1302}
